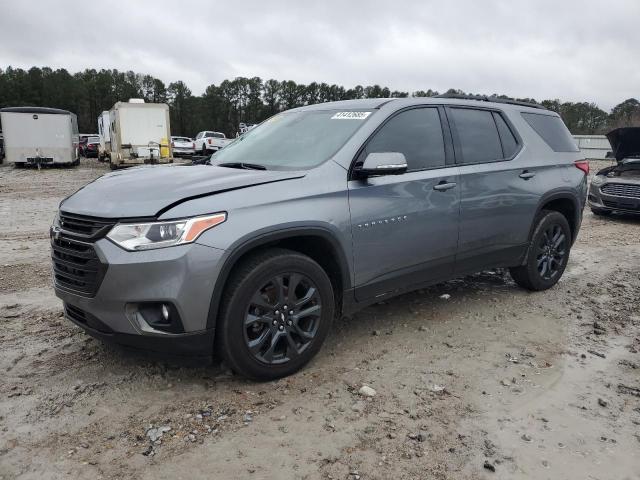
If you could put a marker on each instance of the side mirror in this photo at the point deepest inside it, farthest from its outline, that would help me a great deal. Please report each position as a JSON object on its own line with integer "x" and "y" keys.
{"x": 383, "y": 163}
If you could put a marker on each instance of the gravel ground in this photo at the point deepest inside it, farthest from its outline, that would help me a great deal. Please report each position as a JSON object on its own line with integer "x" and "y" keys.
{"x": 493, "y": 382}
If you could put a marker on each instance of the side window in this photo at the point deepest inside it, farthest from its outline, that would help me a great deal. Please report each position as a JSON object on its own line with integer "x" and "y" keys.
{"x": 509, "y": 142}
{"x": 199, "y": 135}
{"x": 478, "y": 135}
{"x": 417, "y": 133}
{"x": 552, "y": 130}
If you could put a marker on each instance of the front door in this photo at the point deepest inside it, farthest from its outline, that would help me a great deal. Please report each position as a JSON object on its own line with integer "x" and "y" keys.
{"x": 405, "y": 227}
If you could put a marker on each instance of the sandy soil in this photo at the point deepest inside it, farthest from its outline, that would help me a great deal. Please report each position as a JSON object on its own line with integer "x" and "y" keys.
{"x": 494, "y": 382}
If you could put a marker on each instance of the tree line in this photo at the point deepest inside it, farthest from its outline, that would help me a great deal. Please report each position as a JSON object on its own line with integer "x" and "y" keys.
{"x": 222, "y": 107}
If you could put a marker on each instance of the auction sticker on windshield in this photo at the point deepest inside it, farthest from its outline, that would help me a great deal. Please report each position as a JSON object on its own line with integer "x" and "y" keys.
{"x": 350, "y": 115}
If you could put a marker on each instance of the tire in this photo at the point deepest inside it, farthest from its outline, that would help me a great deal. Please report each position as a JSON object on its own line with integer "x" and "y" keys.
{"x": 282, "y": 342}
{"x": 204, "y": 150}
{"x": 545, "y": 263}
{"x": 113, "y": 166}
{"x": 601, "y": 213}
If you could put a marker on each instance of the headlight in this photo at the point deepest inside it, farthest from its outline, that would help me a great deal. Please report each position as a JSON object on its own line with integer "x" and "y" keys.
{"x": 147, "y": 236}
{"x": 597, "y": 180}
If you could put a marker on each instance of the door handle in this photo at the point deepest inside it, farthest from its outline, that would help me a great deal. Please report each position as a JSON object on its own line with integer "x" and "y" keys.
{"x": 526, "y": 175}
{"x": 444, "y": 185}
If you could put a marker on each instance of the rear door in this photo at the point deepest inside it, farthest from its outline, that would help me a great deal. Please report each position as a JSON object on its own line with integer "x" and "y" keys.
{"x": 405, "y": 227}
{"x": 498, "y": 195}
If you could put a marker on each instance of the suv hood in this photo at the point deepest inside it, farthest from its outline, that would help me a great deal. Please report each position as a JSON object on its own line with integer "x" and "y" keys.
{"x": 625, "y": 142}
{"x": 147, "y": 191}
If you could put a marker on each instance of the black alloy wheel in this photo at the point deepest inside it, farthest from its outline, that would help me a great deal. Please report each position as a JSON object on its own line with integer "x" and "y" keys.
{"x": 277, "y": 309}
{"x": 551, "y": 250}
{"x": 548, "y": 252}
{"x": 282, "y": 318}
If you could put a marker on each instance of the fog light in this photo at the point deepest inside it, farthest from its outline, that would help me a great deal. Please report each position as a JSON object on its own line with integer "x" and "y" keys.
{"x": 156, "y": 317}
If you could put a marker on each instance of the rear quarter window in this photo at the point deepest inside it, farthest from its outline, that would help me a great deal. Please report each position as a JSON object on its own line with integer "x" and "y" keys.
{"x": 552, "y": 130}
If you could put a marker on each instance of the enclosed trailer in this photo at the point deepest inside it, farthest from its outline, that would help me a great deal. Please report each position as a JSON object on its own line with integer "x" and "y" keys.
{"x": 40, "y": 136}
{"x": 139, "y": 133}
{"x": 104, "y": 151}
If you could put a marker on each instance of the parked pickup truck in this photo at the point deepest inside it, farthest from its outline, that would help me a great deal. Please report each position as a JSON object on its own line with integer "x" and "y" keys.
{"x": 208, "y": 141}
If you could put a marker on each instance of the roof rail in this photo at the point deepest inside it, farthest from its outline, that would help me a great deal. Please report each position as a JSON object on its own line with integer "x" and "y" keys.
{"x": 494, "y": 99}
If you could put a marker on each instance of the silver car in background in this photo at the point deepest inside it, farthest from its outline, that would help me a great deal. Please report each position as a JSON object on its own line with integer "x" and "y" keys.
{"x": 617, "y": 188}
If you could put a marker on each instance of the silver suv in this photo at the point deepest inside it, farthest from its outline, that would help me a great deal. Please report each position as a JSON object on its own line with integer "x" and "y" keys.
{"x": 317, "y": 212}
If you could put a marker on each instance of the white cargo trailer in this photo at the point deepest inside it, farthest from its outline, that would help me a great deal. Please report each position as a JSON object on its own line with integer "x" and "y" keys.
{"x": 139, "y": 133}
{"x": 40, "y": 136}
{"x": 104, "y": 150}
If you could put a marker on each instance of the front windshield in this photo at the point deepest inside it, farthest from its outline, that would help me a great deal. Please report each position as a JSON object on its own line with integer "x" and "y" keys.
{"x": 293, "y": 140}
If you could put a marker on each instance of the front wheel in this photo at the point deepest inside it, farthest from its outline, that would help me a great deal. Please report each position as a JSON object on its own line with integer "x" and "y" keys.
{"x": 277, "y": 310}
{"x": 548, "y": 253}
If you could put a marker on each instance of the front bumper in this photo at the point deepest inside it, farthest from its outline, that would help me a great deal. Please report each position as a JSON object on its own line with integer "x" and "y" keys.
{"x": 612, "y": 203}
{"x": 197, "y": 344}
{"x": 183, "y": 276}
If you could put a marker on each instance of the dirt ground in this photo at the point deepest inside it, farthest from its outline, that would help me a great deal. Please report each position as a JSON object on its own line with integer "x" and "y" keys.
{"x": 493, "y": 382}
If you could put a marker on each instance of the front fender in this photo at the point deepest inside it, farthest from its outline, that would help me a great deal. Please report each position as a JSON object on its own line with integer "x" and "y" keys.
{"x": 268, "y": 236}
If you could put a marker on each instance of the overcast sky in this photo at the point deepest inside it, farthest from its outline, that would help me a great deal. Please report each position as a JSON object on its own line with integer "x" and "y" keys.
{"x": 569, "y": 49}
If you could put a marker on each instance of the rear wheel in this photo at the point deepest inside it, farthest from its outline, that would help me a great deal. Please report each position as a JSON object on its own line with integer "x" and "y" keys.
{"x": 276, "y": 312}
{"x": 548, "y": 253}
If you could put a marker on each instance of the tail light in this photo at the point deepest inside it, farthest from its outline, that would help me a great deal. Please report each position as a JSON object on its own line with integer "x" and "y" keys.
{"x": 582, "y": 165}
{"x": 209, "y": 141}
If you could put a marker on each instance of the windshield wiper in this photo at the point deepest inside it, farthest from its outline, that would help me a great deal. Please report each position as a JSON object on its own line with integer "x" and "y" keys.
{"x": 246, "y": 166}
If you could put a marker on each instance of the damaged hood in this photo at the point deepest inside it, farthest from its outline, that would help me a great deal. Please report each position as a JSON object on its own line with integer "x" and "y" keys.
{"x": 625, "y": 142}
{"x": 146, "y": 191}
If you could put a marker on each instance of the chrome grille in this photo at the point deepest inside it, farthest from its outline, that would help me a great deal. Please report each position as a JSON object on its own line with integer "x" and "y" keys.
{"x": 621, "y": 190}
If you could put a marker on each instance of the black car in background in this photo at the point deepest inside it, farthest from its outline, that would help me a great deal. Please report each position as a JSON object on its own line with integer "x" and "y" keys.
{"x": 88, "y": 146}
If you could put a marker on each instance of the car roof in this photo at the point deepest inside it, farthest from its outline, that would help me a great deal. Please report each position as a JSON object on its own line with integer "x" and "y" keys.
{"x": 375, "y": 103}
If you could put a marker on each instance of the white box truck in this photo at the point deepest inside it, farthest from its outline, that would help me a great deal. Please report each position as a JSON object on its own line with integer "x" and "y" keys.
{"x": 104, "y": 150}
{"x": 139, "y": 133}
{"x": 40, "y": 136}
